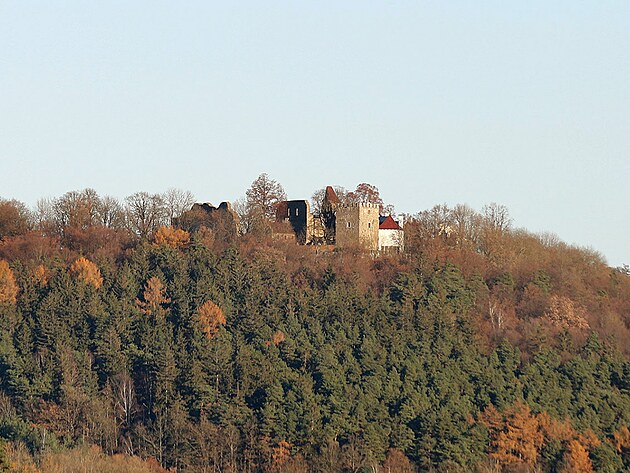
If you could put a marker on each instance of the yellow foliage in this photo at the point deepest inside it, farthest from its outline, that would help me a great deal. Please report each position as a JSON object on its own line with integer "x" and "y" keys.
{"x": 87, "y": 272}
{"x": 154, "y": 296}
{"x": 281, "y": 454}
{"x": 553, "y": 429}
{"x": 278, "y": 338}
{"x": 622, "y": 438}
{"x": 8, "y": 285}
{"x": 80, "y": 459}
{"x": 576, "y": 459}
{"x": 173, "y": 237}
{"x": 211, "y": 318}
{"x": 515, "y": 436}
{"x": 40, "y": 275}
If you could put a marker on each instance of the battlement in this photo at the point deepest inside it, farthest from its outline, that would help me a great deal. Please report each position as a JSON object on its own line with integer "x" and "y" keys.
{"x": 357, "y": 206}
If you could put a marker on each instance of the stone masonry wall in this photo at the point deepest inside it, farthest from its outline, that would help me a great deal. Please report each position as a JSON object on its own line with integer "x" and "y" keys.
{"x": 357, "y": 226}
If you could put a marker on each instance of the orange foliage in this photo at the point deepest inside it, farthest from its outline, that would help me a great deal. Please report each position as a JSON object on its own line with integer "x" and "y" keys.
{"x": 517, "y": 437}
{"x": 553, "y": 429}
{"x": 564, "y": 313}
{"x": 40, "y": 275}
{"x": 173, "y": 237}
{"x": 32, "y": 245}
{"x": 278, "y": 338}
{"x": 154, "y": 296}
{"x": 622, "y": 439}
{"x": 576, "y": 460}
{"x": 280, "y": 455}
{"x": 211, "y": 318}
{"x": 87, "y": 272}
{"x": 8, "y": 285}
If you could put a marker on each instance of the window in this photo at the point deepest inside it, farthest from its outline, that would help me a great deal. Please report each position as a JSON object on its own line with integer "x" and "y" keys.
{"x": 297, "y": 212}
{"x": 349, "y": 225}
{"x": 369, "y": 224}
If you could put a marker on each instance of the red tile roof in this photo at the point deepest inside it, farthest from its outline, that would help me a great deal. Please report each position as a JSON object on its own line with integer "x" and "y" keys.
{"x": 331, "y": 195}
{"x": 389, "y": 224}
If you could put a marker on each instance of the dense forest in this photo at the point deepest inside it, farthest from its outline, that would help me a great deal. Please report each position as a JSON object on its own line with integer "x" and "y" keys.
{"x": 130, "y": 345}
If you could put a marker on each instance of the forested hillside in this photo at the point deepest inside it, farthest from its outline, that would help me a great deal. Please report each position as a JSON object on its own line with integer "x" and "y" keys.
{"x": 129, "y": 343}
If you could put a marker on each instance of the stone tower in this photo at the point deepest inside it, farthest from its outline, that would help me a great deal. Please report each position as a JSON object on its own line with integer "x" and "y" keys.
{"x": 328, "y": 217}
{"x": 357, "y": 226}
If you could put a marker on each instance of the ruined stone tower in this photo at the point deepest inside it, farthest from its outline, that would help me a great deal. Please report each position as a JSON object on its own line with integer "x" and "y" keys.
{"x": 328, "y": 218}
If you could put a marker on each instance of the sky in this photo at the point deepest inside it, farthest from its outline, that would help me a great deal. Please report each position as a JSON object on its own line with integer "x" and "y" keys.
{"x": 525, "y": 104}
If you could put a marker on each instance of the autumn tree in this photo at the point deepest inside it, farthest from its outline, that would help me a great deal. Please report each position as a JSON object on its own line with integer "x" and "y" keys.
{"x": 172, "y": 237}
{"x": 154, "y": 296}
{"x": 86, "y": 271}
{"x": 211, "y": 318}
{"x": 576, "y": 459}
{"x": 40, "y": 275}
{"x": 564, "y": 313}
{"x": 76, "y": 210}
{"x": 15, "y": 218}
{"x": 397, "y": 462}
{"x": 515, "y": 436}
{"x": 263, "y": 196}
{"x": 8, "y": 285}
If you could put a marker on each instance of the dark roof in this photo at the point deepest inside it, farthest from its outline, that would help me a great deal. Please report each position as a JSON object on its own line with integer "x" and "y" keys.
{"x": 331, "y": 196}
{"x": 388, "y": 223}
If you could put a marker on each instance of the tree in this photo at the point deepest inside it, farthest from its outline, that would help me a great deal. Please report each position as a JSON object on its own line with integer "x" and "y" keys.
{"x": 263, "y": 196}
{"x": 365, "y": 194}
{"x": 176, "y": 202}
{"x": 8, "y": 285}
{"x": 318, "y": 198}
{"x": 110, "y": 213}
{"x": 145, "y": 213}
{"x": 397, "y": 462}
{"x": 15, "y": 218}
{"x": 172, "y": 237}
{"x": 75, "y": 210}
{"x": 87, "y": 272}
{"x": 154, "y": 296}
{"x": 576, "y": 459}
{"x": 211, "y": 318}
{"x": 497, "y": 217}
{"x": 516, "y": 437}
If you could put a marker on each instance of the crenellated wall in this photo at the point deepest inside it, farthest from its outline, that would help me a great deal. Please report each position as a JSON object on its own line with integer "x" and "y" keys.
{"x": 357, "y": 226}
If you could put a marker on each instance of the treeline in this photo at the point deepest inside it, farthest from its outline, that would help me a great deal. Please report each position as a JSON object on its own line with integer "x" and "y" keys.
{"x": 482, "y": 348}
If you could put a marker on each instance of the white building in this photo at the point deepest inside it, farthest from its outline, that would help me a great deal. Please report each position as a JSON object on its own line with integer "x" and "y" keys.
{"x": 390, "y": 235}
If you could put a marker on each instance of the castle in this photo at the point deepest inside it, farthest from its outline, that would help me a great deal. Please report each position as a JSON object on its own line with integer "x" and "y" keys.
{"x": 337, "y": 224}
{"x": 343, "y": 225}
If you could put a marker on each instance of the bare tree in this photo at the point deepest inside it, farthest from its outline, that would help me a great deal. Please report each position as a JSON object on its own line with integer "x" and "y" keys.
{"x": 497, "y": 217}
{"x": 110, "y": 213}
{"x": 366, "y": 194}
{"x": 176, "y": 202}
{"x": 75, "y": 209}
{"x": 466, "y": 224}
{"x": 145, "y": 213}
{"x": 263, "y": 196}
{"x": 318, "y": 197}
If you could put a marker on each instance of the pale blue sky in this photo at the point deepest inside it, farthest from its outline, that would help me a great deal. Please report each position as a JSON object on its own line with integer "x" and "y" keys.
{"x": 525, "y": 104}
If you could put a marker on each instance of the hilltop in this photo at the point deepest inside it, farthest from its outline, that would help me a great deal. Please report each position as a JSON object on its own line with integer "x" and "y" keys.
{"x": 222, "y": 347}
